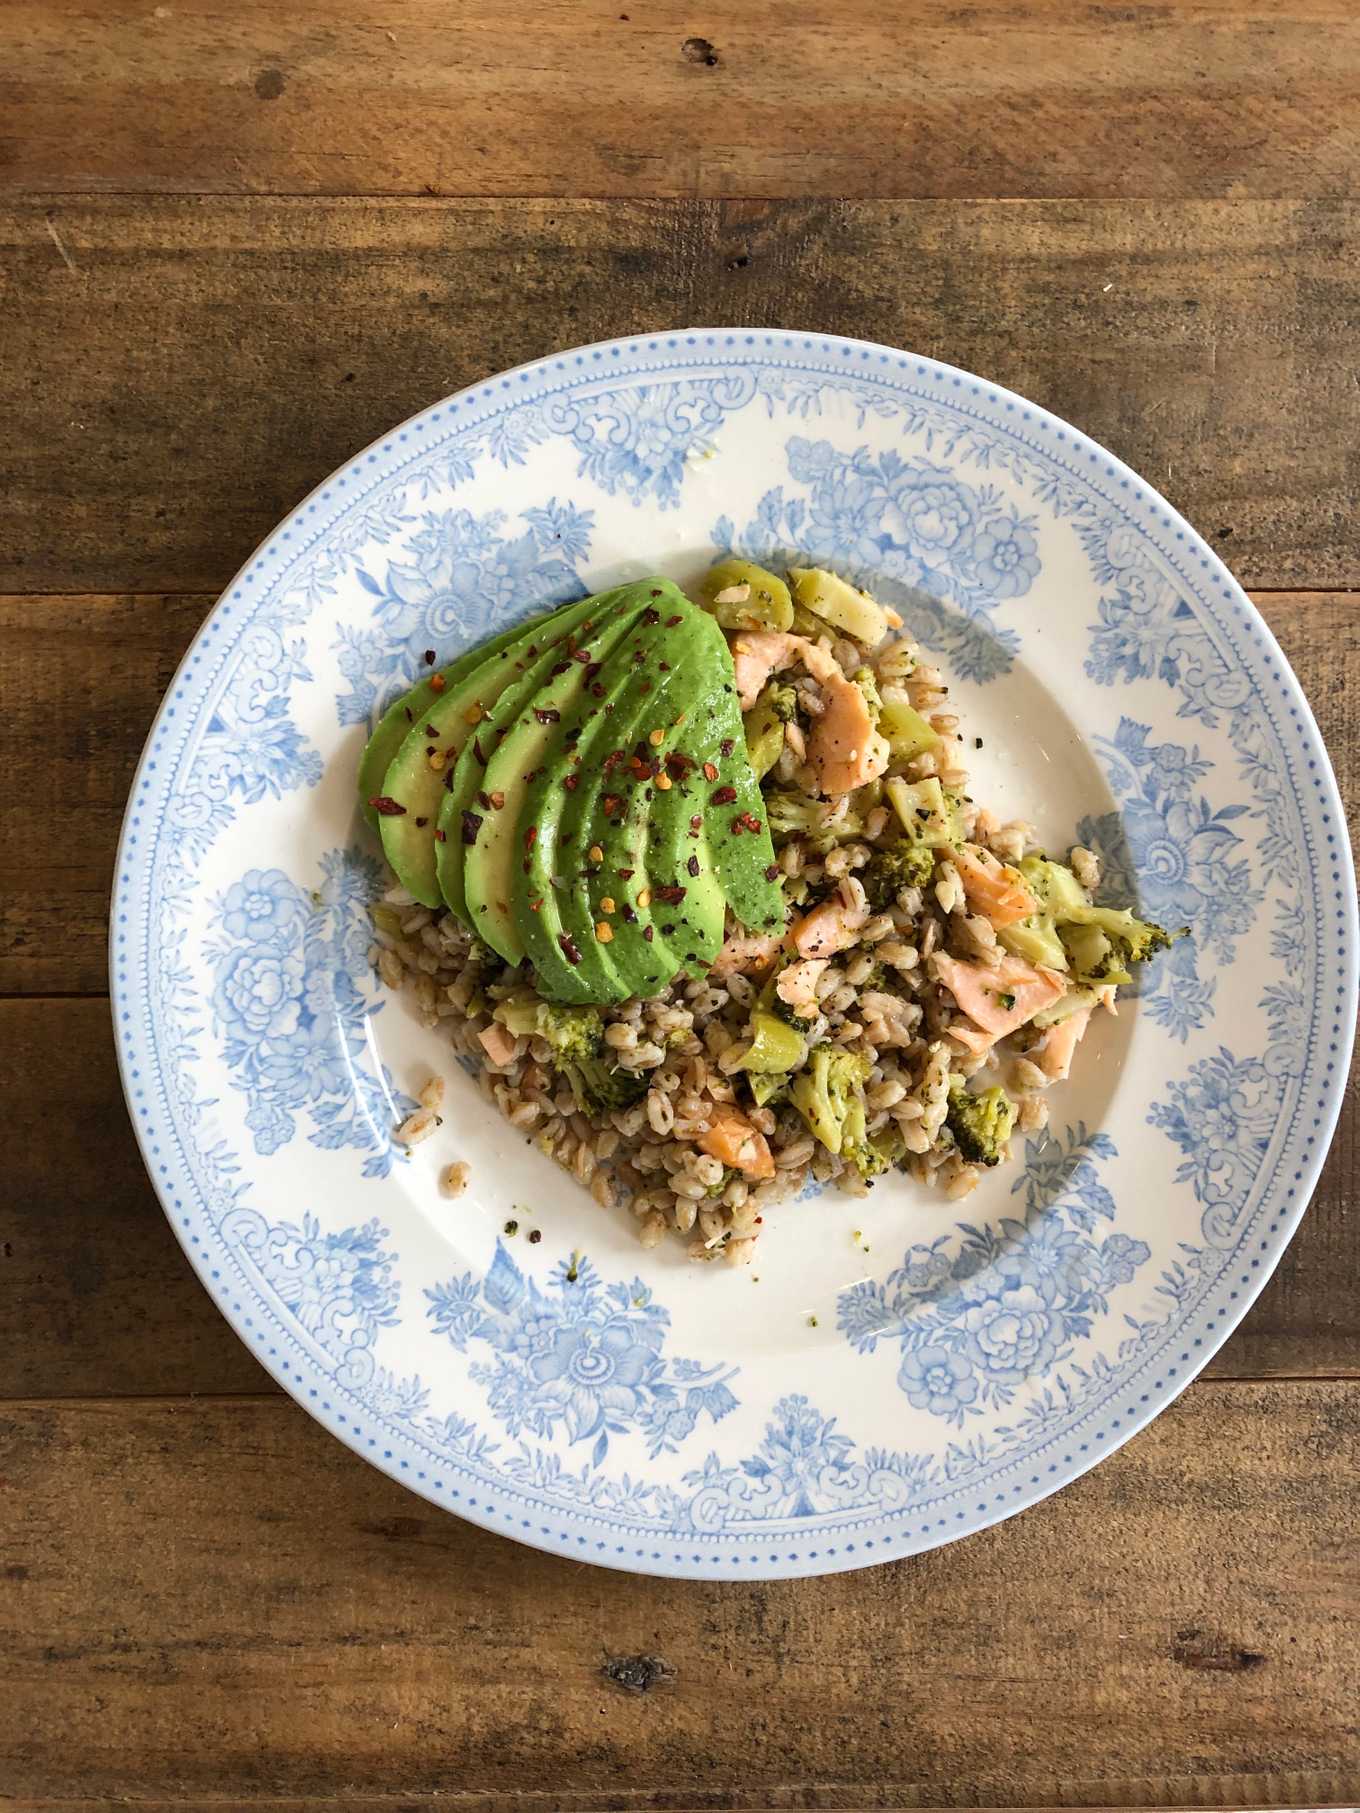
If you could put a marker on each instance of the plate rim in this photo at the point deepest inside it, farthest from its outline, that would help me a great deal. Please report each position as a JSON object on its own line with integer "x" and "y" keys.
{"x": 725, "y": 1563}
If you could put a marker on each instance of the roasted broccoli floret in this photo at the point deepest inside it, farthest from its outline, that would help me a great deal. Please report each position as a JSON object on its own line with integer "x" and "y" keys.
{"x": 868, "y": 685}
{"x": 1098, "y": 945}
{"x": 573, "y": 1032}
{"x": 981, "y": 1124}
{"x": 908, "y": 864}
{"x": 601, "y": 1087}
{"x": 798, "y": 815}
{"x": 1103, "y": 944}
{"x": 829, "y": 1094}
{"x": 873, "y": 1156}
{"x": 782, "y": 700}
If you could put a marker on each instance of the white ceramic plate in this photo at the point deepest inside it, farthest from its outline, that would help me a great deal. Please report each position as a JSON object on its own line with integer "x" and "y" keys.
{"x": 887, "y": 1376}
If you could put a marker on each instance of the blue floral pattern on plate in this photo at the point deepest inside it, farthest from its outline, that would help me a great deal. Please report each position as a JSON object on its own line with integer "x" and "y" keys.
{"x": 719, "y": 1425}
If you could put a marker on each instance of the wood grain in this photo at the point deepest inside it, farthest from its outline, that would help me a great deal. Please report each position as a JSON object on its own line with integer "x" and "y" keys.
{"x": 96, "y": 1297}
{"x": 216, "y": 1597}
{"x": 756, "y": 97}
{"x": 232, "y": 353}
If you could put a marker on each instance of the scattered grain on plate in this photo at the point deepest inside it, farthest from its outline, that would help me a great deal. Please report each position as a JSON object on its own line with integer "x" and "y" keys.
{"x": 432, "y": 1095}
{"x": 455, "y": 1178}
{"x": 416, "y": 1127}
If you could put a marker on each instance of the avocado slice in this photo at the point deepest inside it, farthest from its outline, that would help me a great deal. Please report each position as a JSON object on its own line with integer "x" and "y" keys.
{"x": 623, "y": 890}
{"x": 549, "y": 897}
{"x": 416, "y": 786}
{"x": 525, "y": 725}
{"x": 400, "y": 717}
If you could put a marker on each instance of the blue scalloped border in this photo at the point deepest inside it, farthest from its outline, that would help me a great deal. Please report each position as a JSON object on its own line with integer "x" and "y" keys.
{"x": 503, "y": 1507}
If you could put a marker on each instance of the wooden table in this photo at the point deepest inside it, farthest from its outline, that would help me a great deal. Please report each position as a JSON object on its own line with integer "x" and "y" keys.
{"x": 235, "y": 244}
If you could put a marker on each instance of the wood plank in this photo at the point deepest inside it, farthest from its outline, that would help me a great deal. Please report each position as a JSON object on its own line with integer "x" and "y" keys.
{"x": 175, "y": 374}
{"x": 96, "y": 1297}
{"x": 61, "y": 812}
{"x": 848, "y": 97}
{"x": 214, "y": 1598}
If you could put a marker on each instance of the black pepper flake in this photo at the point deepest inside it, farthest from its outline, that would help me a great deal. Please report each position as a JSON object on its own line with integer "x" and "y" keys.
{"x": 428, "y": 657}
{"x": 670, "y": 894}
{"x": 472, "y": 824}
{"x": 597, "y": 692}
{"x": 629, "y": 915}
{"x": 547, "y": 714}
{"x": 723, "y": 796}
{"x": 693, "y": 865}
{"x": 421, "y": 823}
{"x": 668, "y": 929}
{"x": 388, "y": 807}
{"x": 410, "y": 715}
{"x": 430, "y": 731}
{"x": 448, "y": 780}
{"x": 572, "y": 735}
{"x": 664, "y": 666}
{"x": 648, "y": 934}
{"x": 977, "y": 742}
{"x": 535, "y": 1235}
{"x": 569, "y": 947}
{"x": 725, "y": 747}
{"x": 560, "y": 668}
{"x": 478, "y": 751}
{"x": 484, "y": 801}
{"x": 512, "y": 1228}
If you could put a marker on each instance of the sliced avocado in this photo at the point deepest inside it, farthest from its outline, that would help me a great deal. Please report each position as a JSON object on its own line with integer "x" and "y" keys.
{"x": 417, "y": 774}
{"x": 526, "y": 728}
{"x": 400, "y": 717}
{"x": 551, "y": 899}
{"x": 661, "y": 917}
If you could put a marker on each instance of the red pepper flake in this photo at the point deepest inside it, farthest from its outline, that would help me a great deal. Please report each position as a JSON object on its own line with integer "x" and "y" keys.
{"x": 531, "y": 837}
{"x": 484, "y": 801}
{"x": 711, "y": 773}
{"x": 597, "y": 692}
{"x": 498, "y": 799}
{"x": 772, "y": 873}
{"x": 571, "y": 782}
{"x": 671, "y": 895}
{"x": 472, "y": 824}
{"x": 582, "y": 655}
{"x": 428, "y": 657}
{"x": 569, "y": 946}
{"x": 678, "y": 765}
{"x": 664, "y": 666}
{"x": 724, "y": 748}
{"x": 627, "y": 874}
{"x": 535, "y": 906}
{"x": 723, "y": 796}
{"x": 639, "y": 656}
{"x": 648, "y": 934}
{"x": 440, "y": 837}
{"x": 649, "y": 616}
{"x": 547, "y": 714}
{"x": 430, "y": 731}
{"x": 671, "y": 622}
{"x": 387, "y": 806}
{"x": 560, "y": 668}
{"x": 751, "y": 822}
{"x": 532, "y": 649}
{"x": 655, "y": 592}
{"x": 693, "y": 865}
{"x": 696, "y": 823}
{"x": 421, "y": 823}
{"x": 611, "y": 804}
{"x": 478, "y": 751}
{"x": 592, "y": 670}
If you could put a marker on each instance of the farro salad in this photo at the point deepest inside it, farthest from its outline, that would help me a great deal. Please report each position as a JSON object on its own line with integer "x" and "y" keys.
{"x": 697, "y": 886}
